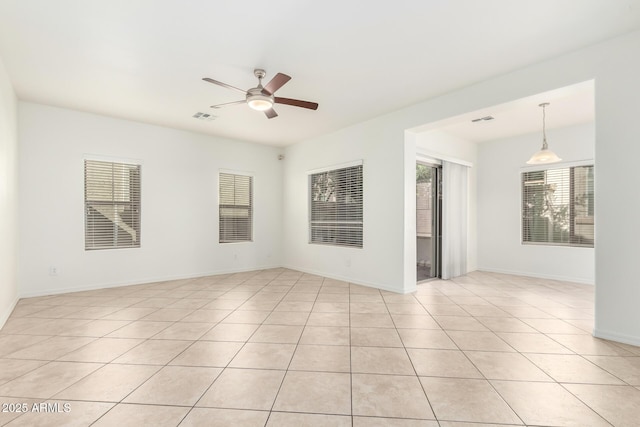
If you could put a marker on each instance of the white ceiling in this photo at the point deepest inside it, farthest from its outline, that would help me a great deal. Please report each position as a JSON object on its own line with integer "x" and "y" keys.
{"x": 144, "y": 60}
{"x": 568, "y": 106}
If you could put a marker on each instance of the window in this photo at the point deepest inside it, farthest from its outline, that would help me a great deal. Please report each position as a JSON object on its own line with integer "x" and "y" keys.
{"x": 336, "y": 207}
{"x": 236, "y": 208}
{"x": 111, "y": 205}
{"x": 557, "y": 206}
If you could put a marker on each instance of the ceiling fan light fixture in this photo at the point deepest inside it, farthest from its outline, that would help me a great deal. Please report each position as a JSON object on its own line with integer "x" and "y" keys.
{"x": 258, "y": 100}
{"x": 260, "y": 103}
{"x": 544, "y": 156}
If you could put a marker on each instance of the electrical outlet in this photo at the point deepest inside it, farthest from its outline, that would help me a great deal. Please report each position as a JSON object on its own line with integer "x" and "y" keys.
{"x": 53, "y": 270}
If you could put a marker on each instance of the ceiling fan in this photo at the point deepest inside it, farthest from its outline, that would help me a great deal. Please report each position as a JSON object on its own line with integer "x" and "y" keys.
{"x": 262, "y": 98}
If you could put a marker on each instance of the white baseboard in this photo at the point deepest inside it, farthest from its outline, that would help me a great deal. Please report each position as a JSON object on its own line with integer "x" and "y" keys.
{"x": 538, "y": 275}
{"x": 381, "y": 286}
{"x": 614, "y": 336}
{"x": 138, "y": 282}
{"x": 106, "y": 285}
{"x": 350, "y": 280}
{"x": 4, "y": 316}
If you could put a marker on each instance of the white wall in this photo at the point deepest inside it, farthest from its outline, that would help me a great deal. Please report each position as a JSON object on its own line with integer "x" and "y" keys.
{"x": 8, "y": 196}
{"x": 179, "y": 228}
{"x": 390, "y": 177}
{"x": 617, "y": 154}
{"x": 378, "y": 263}
{"x": 500, "y": 164}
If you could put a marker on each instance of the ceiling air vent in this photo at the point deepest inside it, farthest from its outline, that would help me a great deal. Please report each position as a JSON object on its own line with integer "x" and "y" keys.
{"x": 482, "y": 119}
{"x": 204, "y": 116}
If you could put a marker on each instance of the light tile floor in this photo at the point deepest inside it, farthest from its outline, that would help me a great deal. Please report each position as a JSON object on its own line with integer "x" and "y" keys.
{"x": 282, "y": 348}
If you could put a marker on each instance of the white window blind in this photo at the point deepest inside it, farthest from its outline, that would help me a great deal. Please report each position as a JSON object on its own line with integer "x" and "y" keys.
{"x": 558, "y": 206}
{"x": 336, "y": 207}
{"x": 236, "y": 208}
{"x": 112, "y": 205}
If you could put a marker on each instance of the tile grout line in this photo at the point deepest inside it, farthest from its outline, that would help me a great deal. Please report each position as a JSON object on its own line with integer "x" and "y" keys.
{"x": 406, "y": 351}
{"x": 476, "y": 286}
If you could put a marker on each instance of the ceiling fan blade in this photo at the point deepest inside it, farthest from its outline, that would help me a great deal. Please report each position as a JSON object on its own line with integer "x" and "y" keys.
{"x": 297, "y": 103}
{"x": 276, "y": 83}
{"x": 226, "y": 104}
{"x": 270, "y": 113}
{"x": 215, "y": 82}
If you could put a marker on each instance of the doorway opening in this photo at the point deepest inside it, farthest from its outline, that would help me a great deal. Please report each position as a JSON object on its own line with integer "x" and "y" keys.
{"x": 428, "y": 221}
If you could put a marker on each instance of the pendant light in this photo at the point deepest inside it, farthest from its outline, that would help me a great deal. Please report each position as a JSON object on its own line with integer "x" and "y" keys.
{"x": 544, "y": 156}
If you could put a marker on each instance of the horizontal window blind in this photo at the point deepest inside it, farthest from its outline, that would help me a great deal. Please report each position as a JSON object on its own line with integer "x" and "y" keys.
{"x": 112, "y": 205}
{"x": 336, "y": 207}
{"x": 235, "y": 208}
{"x": 582, "y": 230}
{"x": 558, "y": 206}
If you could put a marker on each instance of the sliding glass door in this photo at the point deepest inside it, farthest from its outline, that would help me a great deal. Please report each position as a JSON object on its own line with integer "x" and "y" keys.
{"x": 428, "y": 221}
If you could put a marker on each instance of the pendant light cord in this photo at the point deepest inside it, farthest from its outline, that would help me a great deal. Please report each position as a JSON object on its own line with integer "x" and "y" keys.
{"x": 544, "y": 128}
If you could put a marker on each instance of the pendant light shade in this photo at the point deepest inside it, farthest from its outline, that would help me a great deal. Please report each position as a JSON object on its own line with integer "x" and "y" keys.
{"x": 544, "y": 156}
